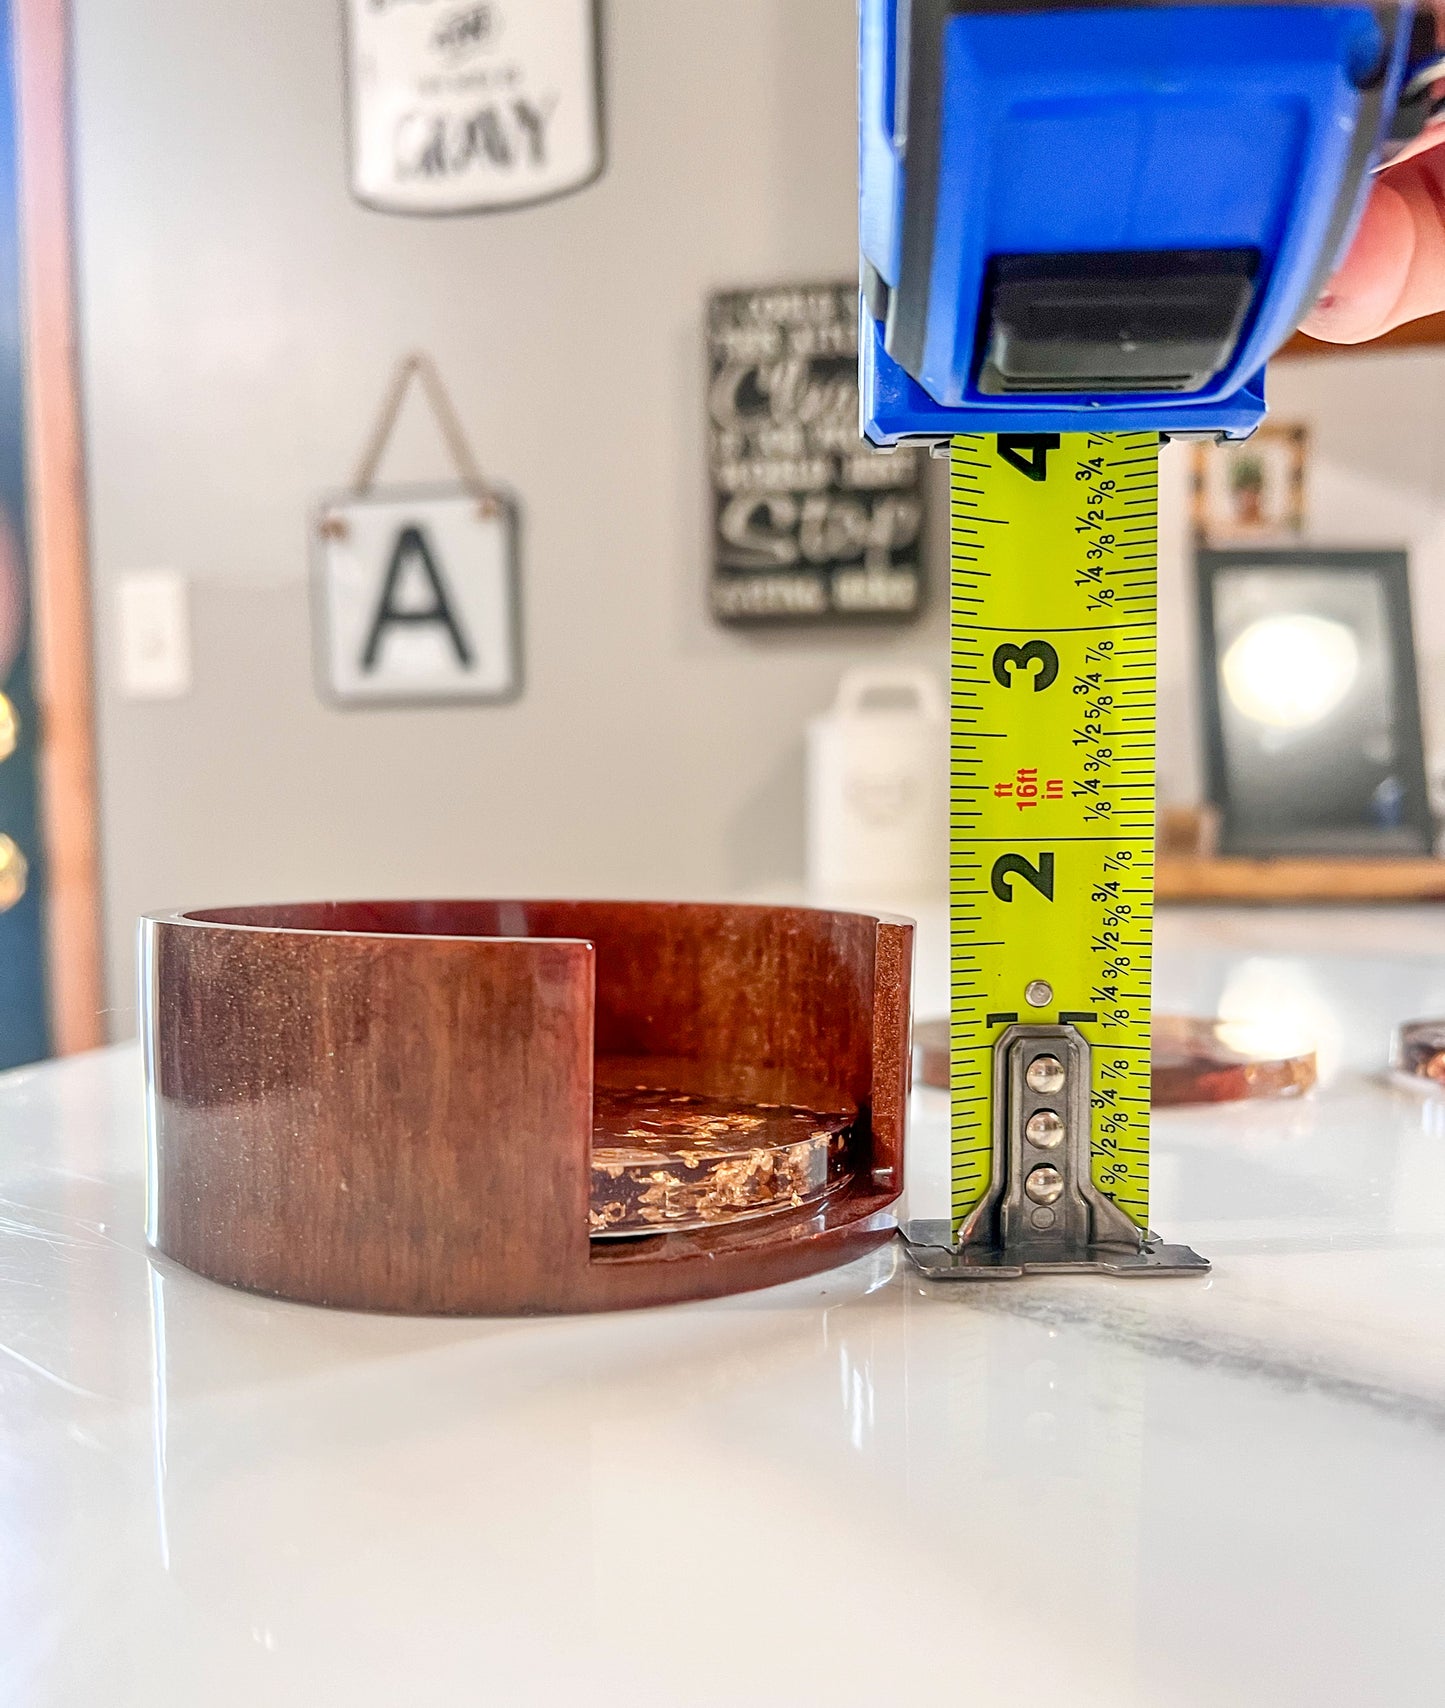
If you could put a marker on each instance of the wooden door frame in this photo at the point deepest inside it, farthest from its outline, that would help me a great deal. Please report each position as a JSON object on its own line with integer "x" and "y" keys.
{"x": 59, "y": 569}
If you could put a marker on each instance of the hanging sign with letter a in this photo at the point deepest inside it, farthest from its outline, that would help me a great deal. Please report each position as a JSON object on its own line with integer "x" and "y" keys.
{"x": 416, "y": 590}
{"x": 458, "y": 106}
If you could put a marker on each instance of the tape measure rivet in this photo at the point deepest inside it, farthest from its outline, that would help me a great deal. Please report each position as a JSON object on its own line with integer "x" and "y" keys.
{"x": 1039, "y": 993}
{"x": 1044, "y": 1129}
{"x": 1045, "y": 1074}
{"x": 1045, "y": 1185}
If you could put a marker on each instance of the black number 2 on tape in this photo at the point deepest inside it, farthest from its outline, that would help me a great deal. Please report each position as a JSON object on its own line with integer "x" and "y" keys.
{"x": 1016, "y": 866}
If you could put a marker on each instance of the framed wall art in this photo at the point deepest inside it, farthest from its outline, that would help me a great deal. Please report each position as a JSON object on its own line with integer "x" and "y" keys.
{"x": 1251, "y": 489}
{"x": 1311, "y": 712}
{"x": 810, "y": 524}
{"x": 468, "y": 106}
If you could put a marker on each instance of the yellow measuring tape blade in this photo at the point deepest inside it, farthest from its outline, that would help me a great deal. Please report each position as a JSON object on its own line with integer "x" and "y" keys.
{"x": 1051, "y": 842}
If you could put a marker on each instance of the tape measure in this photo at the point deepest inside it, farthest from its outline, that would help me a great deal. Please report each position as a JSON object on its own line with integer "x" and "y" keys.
{"x": 1054, "y": 550}
{"x": 1051, "y": 859}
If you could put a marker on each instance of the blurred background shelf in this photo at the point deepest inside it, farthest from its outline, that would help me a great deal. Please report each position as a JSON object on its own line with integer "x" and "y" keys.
{"x": 1234, "y": 878}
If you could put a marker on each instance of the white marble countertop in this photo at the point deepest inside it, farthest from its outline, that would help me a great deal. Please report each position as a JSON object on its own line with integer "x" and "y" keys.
{"x": 1228, "y": 1491}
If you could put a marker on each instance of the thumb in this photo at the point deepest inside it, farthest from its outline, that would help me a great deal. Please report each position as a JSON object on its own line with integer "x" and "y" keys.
{"x": 1360, "y": 299}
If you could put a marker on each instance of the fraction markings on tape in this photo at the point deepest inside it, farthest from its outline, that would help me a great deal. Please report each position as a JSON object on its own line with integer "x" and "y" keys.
{"x": 1051, "y": 840}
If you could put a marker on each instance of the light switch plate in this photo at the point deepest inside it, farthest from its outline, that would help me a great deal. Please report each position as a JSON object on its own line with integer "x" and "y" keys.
{"x": 154, "y": 635}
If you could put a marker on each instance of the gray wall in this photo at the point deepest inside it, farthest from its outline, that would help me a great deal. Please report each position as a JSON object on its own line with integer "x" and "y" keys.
{"x": 239, "y": 319}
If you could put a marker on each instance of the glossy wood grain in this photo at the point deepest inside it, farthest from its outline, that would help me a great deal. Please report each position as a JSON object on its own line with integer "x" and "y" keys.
{"x": 388, "y": 1105}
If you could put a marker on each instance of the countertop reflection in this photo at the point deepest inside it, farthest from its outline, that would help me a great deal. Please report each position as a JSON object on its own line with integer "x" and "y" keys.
{"x": 1174, "y": 1492}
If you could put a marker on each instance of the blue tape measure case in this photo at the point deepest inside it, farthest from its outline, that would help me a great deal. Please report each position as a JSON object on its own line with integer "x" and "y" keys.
{"x": 1104, "y": 216}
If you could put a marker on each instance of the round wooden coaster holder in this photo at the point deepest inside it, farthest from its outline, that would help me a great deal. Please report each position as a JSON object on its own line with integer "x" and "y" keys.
{"x": 388, "y": 1105}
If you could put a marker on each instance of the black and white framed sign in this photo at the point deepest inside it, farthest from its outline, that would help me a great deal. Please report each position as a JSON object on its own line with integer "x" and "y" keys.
{"x": 810, "y": 524}
{"x": 1311, "y": 711}
{"x": 461, "y": 106}
{"x": 415, "y": 590}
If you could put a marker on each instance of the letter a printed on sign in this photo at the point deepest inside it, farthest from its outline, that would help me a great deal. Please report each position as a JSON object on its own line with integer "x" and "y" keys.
{"x": 411, "y": 545}
{"x": 416, "y": 596}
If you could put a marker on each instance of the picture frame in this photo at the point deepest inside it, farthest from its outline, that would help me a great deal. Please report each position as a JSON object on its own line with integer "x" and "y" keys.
{"x": 1311, "y": 716}
{"x": 1251, "y": 490}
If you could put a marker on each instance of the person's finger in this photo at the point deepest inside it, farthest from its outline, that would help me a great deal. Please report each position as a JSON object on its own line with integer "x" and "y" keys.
{"x": 1395, "y": 268}
{"x": 1421, "y": 183}
{"x": 1363, "y": 290}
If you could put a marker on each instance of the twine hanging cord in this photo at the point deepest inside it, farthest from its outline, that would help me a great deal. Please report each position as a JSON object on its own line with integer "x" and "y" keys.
{"x": 420, "y": 365}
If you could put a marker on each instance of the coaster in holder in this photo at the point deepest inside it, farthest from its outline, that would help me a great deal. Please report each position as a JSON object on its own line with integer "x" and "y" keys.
{"x": 668, "y": 1153}
{"x": 433, "y": 1106}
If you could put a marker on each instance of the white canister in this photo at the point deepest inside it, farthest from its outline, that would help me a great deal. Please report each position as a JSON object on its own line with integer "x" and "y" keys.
{"x": 878, "y": 787}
